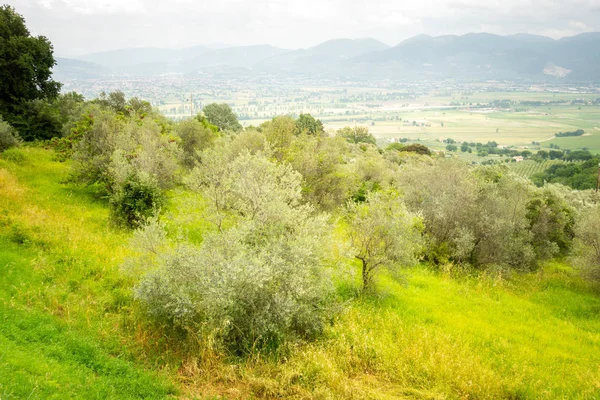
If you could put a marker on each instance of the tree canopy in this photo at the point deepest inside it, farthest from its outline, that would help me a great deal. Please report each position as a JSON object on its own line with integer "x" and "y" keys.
{"x": 222, "y": 116}
{"x": 25, "y": 71}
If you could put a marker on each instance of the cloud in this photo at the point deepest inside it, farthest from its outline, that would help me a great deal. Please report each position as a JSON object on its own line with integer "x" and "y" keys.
{"x": 83, "y": 26}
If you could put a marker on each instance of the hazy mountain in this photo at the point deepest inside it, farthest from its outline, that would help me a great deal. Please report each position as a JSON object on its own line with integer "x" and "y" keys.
{"x": 470, "y": 56}
{"x": 580, "y": 53}
{"x": 488, "y": 56}
{"x": 325, "y": 57}
{"x": 122, "y": 59}
{"x": 68, "y": 68}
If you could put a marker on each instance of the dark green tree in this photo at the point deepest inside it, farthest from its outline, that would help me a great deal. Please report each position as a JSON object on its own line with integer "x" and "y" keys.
{"x": 358, "y": 134}
{"x": 222, "y": 116}
{"x": 26, "y": 65}
{"x": 307, "y": 124}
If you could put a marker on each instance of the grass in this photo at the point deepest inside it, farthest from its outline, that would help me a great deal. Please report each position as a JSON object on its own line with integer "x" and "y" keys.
{"x": 70, "y": 329}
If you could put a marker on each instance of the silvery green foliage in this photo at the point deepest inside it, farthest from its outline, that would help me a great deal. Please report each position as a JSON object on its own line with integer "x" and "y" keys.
{"x": 134, "y": 161}
{"x": 383, "y": 234}
{"x": 141, "y": 144}
{"x": 8, "y": 136}
{"x": 247, "y": 186}
{"x": 587, "y": 234}
{"x": 486, "y": 216}
{"x": 257, "y": 283}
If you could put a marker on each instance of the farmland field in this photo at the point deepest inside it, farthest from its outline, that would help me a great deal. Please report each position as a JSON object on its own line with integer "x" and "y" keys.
{"x": 529, "y": 167}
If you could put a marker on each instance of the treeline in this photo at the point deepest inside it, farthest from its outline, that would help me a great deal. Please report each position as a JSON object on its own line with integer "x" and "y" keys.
{"x": 581, "y": 176}
{"x": 578, "y": 132}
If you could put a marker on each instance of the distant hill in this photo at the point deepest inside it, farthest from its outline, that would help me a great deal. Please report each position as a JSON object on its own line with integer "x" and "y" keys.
{"x": 470, "y": 56}
{"x": 68, "y": 68}
{"x": 125, "y": 58}
{"x": 328, "y": 57}
{"x": 487, "y": 56}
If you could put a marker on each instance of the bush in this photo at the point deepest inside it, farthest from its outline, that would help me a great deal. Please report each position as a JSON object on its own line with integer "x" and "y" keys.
{"x": 15, "y": 155}
{"x": 486, "y": 216}
{"x": 8, "y": 136}
{"x": 131, "y": 158}
{"x": 259, "y": 280}
{"x": 135, "y": 200}
{"x": 588, "y": 242}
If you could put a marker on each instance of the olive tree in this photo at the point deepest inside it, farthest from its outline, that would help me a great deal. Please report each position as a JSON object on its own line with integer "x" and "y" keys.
{"x": 587, "y": 237}
{"x": 133, "y": 161}
{"x": 383, "y": 234}
{"x": 258, "y": 281}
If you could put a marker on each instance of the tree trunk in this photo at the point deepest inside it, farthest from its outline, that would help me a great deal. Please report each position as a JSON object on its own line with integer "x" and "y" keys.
{"x": 366, "y": 277}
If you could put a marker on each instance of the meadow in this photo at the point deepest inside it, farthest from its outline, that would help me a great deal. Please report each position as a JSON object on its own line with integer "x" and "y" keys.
{"x": 71, "y": 329}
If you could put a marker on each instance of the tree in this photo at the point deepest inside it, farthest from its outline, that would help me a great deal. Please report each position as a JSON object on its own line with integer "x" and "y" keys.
{"x": 588, "y": 242}
{"x": 451, "y": 147}
{"x": 260, "y": 280}
{"x": 417, "y": 148}
{"x": 222, "y": 116}
{"x": 194, "y": 138}
{"x": 279, "y": 132}
{"x": 383, "y": 234}
{"x": 8, "y": 136}
{"x": 25, "y": 71}
{"x": 358, "y": 134}
{"x": 307, "y": 124}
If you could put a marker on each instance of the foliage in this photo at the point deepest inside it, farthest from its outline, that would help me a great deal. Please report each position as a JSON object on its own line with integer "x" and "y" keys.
{"x": 256, "y": 284}
{"x": 503, "y": 220}
{"x": 417, "y": 148}
{"x": 131, "y": 158}
{"x": 222, "y": 116}
{"x": 383, "y": 234}
{"x": 551, "y": 221}
{"x": 195, "y": 137}
{"x": 25, "y": 77}
{"x": 328, "y": 180}
{"x": 68, "y": 316}
{"x": 581, "y": 176}
{"x": 279, "y": 132}
{"x": 8, "y": 136}
{"x": 307, "y": 124}
{"x": 358, "y": 134}
{"x": 588, "y": 242}
{"x": 578, "y": 132}
{"x": 37, "y": 120}
{"x": 64, "y": 146}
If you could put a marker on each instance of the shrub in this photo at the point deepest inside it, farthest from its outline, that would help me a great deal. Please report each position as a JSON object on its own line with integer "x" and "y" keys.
{"x": 15, "y": 155}
{"x": 383, "y": 234}
{"x": 8, "y": 136}
{"x": 135, "y": 200}
{"x": 256, "y": 284}
{"x": 132, "y": 159}
{"x": 588, "y": 242}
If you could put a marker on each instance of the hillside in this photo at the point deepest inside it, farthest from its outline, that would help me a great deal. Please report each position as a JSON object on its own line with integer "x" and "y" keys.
{"x": 70, "y": 327}
{"x": 470, "y": 56}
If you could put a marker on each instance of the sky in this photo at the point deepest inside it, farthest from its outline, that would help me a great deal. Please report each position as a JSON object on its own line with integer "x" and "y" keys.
{"x": 78, "y": 27}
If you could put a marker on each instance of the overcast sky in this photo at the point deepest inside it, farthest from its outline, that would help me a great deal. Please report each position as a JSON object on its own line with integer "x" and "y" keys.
{"x": 78, "y": 27}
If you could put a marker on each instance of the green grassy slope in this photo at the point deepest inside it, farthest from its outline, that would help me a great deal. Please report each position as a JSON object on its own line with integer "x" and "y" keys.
{"x": 69, "y": 327}
{"x": 62, "y": 298}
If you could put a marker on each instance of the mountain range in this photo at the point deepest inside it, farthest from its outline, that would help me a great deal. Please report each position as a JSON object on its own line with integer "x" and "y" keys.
{"x": 470, "y": 56}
